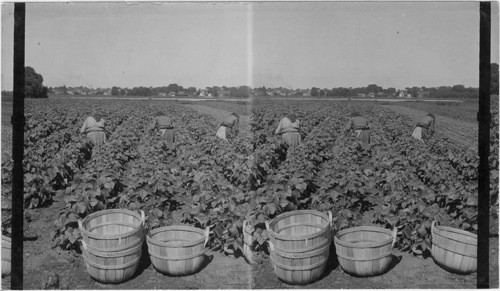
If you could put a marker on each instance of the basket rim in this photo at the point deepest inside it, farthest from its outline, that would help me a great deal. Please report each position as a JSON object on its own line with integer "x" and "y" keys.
{"x": 111, "y": 267}
{"x": 155, "y": 231}
{"x": 6, "y": 238}
{"x": 299, "y": 268}
{"x": 298, "y": 237}
{"x": 472, "y": 255}
{"x": 115, "y": 249}
{"x": 301, "y": 255}
{"x": 108, "y": 254}
{"x": 114, "y": 236}
{"x": 437, "y": 229}
{"x": 338, "y": 237}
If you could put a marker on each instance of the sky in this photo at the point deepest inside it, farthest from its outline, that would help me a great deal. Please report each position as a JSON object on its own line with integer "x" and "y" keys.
{"x": 278, "y": 44}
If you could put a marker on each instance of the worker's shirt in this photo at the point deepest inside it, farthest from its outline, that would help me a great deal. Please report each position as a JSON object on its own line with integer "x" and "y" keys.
{"x": 232, "y": 122}
{"x": 91, "y": 125}
{"x": 356, "y": 123}
{"x": 162, "y": 122}
{"x": 286, "y": 125}
{"x": 428, "y": 123}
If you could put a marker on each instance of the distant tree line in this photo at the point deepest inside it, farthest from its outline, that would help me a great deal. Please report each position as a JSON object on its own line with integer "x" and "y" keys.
{"x": 34, "y": 88}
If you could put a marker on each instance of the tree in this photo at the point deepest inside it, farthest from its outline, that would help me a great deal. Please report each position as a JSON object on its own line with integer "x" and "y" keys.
{"x": 373, "y": 88}
{"x": 191, "y": 90}
{"x": 33, "y": 84}
{"x": 458, "y": 88}
{"x": 115, "y": 91}
{"x": 494, "y": 79}
{"x": 390, "y": 91}
{"x": 314, "y": 91}
{"x": 174, "y": 88}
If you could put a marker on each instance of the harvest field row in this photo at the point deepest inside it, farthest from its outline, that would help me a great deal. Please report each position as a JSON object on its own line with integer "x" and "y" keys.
{"x": 463, "y": 111}
{"x": 462, "y": 134}
{"x": 204, "y": 181}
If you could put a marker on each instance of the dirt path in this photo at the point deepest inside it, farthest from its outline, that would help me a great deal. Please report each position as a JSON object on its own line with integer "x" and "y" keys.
{"x": 461, "y": 132}
{"x": 220, "y": 114}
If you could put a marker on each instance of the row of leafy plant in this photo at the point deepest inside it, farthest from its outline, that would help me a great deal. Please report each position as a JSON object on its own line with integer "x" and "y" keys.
{"x": 204, "y": 181}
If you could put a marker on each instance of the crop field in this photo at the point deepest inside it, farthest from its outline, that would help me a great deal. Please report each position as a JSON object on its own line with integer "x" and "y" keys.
{"x": 206, "y": 182}
{"x": 465, "y": 111}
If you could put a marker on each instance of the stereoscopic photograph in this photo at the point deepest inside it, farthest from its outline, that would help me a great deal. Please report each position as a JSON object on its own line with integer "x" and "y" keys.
{"x": 249, "y": 145}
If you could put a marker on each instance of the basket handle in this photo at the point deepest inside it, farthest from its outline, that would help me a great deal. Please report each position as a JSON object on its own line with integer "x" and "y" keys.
{"x": 330, "y": 217}
{"x": 268, "y": 228}
{"x": 143, "y": 217}
{"x": 84, "y": 244}
{"x": 244, "y": 224}
{"x": 271, "y": 246}
{"x": 394, "y": 236}
{"x": 80, "y": 225}
{"x": 434, "y": 223}
{"x": 207, "y": 235}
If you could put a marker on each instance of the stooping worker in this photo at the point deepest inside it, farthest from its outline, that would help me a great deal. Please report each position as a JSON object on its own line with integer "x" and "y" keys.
{"x": 360, "y": 126}
{"x": 229, "y": 127}
{"x": 94, "y": 128}
{"x": 289, "y": 128}
{"x": 425, "y": 127}
{"x": 165, "y": 127}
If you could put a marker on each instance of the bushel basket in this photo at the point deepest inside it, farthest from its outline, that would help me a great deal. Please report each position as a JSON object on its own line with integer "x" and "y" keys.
{"x": 454, "y": 249}
{"x": 177, "y": 250}
{"x": 300, "y": 245}
{"x": 112, "y": 267}
{"x": 365, "y": 250}
{"x": 113, "y": 229}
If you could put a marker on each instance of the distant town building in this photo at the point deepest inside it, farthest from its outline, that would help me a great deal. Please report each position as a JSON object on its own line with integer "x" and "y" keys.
{"x": 403, "y": 94}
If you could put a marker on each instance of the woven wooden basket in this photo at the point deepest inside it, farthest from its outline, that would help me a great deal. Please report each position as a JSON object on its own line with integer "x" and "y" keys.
{"x": 300, "y": 230}
{"x": 454, "y": 249}
{"x": 113, "y": 229}
{"x": 112, "y": 267}
{"x": 177, "y": 250}
{"x": 6, "y": 255}
{"x": 365, "y": 250}
{"x": 299, "y": 243}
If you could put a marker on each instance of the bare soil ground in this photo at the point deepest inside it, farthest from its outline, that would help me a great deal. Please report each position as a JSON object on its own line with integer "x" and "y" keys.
{"x": 462, "y": 133}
